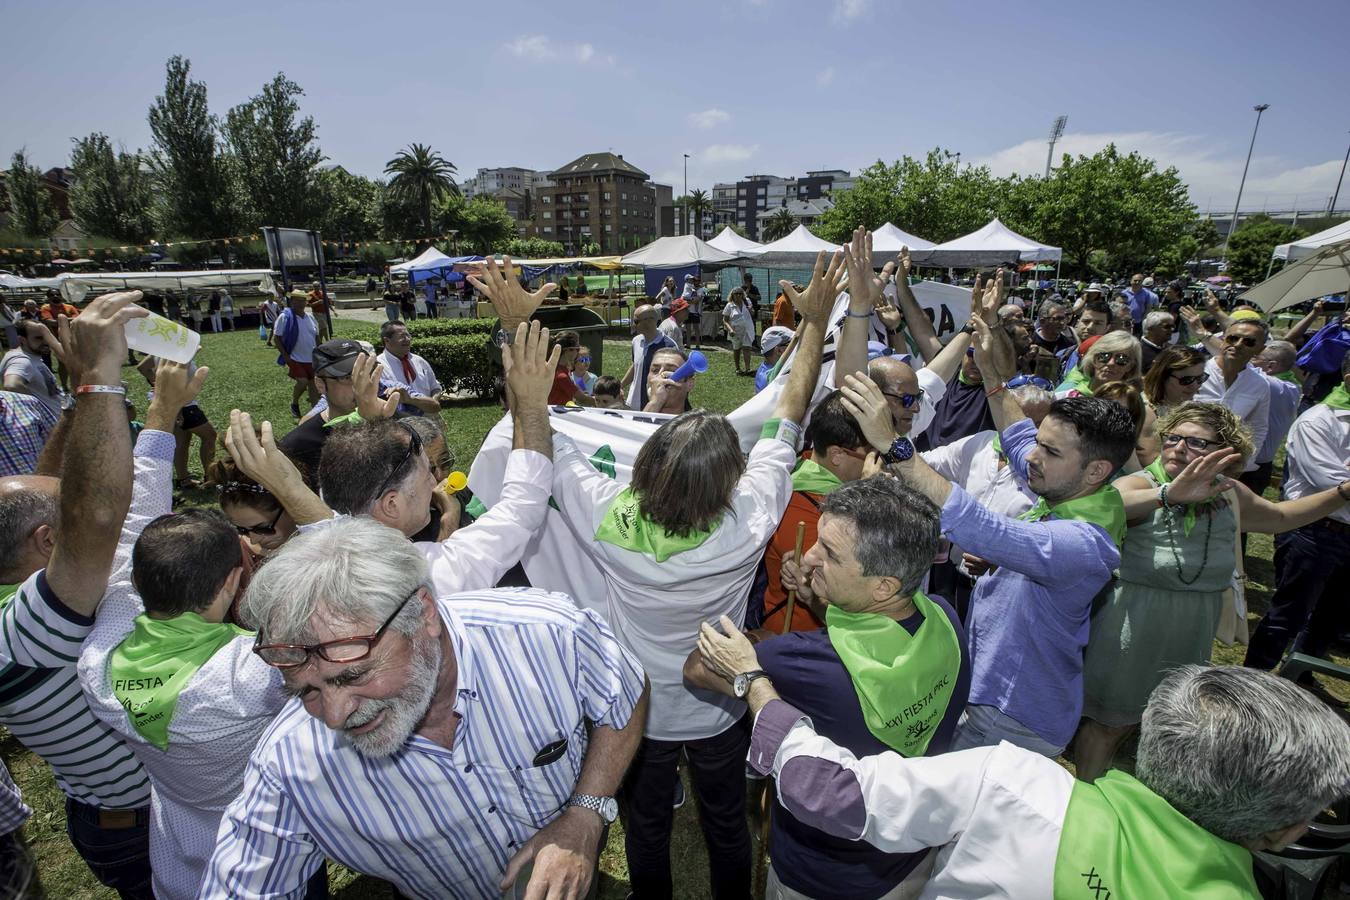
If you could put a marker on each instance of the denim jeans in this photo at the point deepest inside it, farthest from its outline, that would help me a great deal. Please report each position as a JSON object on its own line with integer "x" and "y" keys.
{"x": 118, "y": 857}
{"x": 985, "y": 726}
{"x": 1312, "y": 565}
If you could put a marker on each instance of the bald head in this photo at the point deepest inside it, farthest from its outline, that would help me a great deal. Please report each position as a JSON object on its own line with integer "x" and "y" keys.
{"x": 896, "y": 380}
{"x": 28, "y": 516}
{"x": 645, "y": 320}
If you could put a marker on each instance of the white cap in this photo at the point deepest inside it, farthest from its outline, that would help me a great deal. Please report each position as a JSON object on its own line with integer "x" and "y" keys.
{"x": 773, "y": 338}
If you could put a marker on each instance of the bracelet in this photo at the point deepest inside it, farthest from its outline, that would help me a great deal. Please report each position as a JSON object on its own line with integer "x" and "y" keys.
{"x": 989, "y": 394}
{"x": 101, "y": 389}
{"x": 852, "y": 315}
{"x": 1162, "y": 496}
{"x": 1341, "y": 493}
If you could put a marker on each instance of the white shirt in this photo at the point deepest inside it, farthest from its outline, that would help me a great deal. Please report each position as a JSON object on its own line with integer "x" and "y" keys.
{"x": 220, "y": 714}
{"x": 1319, "y": 446}
{"x": 671, "y": 329}
{"x": 476, "y": 556}
{"x": 307, "y": 336}
{"x": 740, "y": 319}
{"x": 1284, "y": 399}
{"x": 1248, "y": 397}
{"x": 639, "y": 373}
{"x": 425, "y": 384}
{"x": 973, "y": 463}
{"x": 656, "y": 608}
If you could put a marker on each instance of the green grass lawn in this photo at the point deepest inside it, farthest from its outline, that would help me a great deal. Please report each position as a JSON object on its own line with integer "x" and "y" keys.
{"x": 244, "y": 376}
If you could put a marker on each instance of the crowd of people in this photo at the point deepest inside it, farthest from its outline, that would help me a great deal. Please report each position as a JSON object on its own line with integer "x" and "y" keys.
{"x": 938, "y": 570}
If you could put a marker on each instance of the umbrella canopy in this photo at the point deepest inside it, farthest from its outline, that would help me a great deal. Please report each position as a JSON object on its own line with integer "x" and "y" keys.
{"x": 729, "y": 241}
{"x": 1312, "y": 243}
{"x": 682, "y": 251}
{"x": 991, "y": 245}
{"x": 799, "y": 248}
{"x": 889, "y": 239}
{"x": 1325, "y": 272}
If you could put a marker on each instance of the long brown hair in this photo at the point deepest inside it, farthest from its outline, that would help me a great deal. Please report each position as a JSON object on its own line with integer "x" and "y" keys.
{"x": 1173, "y": 358}
{"x": 685, "y": 473}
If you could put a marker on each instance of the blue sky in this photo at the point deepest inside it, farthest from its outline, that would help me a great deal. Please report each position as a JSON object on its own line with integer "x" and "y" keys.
{"x": 777, "y": 86}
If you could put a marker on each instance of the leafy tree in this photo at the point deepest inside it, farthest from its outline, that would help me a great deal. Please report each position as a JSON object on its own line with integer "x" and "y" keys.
{"x": 277, "y": 155}
{"x": 195, "y": 192}
{"x": 533, "y": 248}
{"x": 483, "y": 223}
{"x": 589, "y": 248}
{"x": 423, "y": 175}
{"x": 737, "y": 229}
{"x": 349, "y": 205}
{"x": 778, "y": 225}
{"x": 1206, "y": 234}
{"x": 1250, "y": 246}
{"x": 111, "y": 195}
{"x": 400, "y": 217}
{"x": 30, "y": 205}
{"x": 696, "y": 205}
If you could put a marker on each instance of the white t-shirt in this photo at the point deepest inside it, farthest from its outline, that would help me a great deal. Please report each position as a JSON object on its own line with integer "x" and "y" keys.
{"x": 671, "y": 329}
{"x": 307, "y": 339}
{"x": 740, "y": 319}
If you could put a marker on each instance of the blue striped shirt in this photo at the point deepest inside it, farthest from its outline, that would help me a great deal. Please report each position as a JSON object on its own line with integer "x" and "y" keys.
{"x": 435, "y": 822}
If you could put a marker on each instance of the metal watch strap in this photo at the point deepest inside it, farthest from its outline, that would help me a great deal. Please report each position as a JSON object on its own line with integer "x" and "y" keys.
{"x": 593, "y": 803}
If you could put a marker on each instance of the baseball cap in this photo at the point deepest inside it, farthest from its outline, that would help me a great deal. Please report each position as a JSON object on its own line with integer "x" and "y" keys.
{"x": 689, "y": 278}
{"x": 774, "y": 337}
{"x": 1095, "y": 286}
{"x": 334, "y": 359}
{"x": 1148, "y": 282}
{"x": 679, "y": 304}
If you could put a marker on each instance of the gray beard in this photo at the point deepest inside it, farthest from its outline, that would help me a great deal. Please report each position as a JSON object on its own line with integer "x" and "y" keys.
{"x": 403, "y": 712}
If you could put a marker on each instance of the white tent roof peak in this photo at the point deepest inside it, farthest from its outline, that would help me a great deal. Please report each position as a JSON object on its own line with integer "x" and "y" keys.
{"x": 429, "y": 258}
{"x": 991, "y": 245}
{"x": 678, "y": 252}
{"x": 889, "y": 239}
{"x": 1312, "y": 243}
{"x": 729, "y": 241}
{"x": 800, "y": 239}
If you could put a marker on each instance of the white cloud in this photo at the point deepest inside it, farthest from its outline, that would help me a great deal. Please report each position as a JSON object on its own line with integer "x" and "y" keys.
{"x": 539, "y": 48}
{"x": 846, "y": 11}
{"x": 728, "y": 153}
{"x": 709, "y": 118}
{"x": 825, "y": 76}
{"x": 1212, "y": 174}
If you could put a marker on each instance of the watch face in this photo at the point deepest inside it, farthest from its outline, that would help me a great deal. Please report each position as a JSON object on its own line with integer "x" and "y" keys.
{"x": 609, "y": 809}
{"x": 740, "y": 685}
{"x": 901, "y": 449}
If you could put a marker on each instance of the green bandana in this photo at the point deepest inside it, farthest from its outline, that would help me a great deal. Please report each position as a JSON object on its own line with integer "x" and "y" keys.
{"x": 961, "y": 376}
{"x": 351, "y": 418}
{"x": 904, "y": 682}
{"x": 151, "y": 667}
{"x": 1287, "y": 376}
{"x": 1338, "y": 398}
{"x": 998, "y": 445}
{"x": 813, "y": 478}
{"x": 1102, "y": 507}
{"x": 625, "y": 526}
{"x": 1119, "y": 839}
{"x": 1075, "y": 380}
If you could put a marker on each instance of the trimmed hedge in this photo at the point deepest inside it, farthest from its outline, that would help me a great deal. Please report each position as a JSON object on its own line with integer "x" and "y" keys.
{"x": 458, "y": 350}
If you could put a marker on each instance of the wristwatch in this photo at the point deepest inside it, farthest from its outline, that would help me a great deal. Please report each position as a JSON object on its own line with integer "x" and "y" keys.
{"x": 901, "y": 450}
{"x": 741, "y": 685}
{"x": 607, "y": 808}
{"x": 504, "y": 337}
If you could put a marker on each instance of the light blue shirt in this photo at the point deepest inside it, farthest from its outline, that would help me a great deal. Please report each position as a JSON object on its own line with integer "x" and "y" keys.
{"x": 1284, "y": 398}
{"x": 1140, "y": 303}
{"x": 1029, "y": 620}
{"x": 435, "y": 822}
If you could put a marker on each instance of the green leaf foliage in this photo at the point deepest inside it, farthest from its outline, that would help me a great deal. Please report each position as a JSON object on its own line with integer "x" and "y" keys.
{"x": 276, "y": 154}
{"x": 30, "y": 204}
{"x": 1250, "y": 246}
{"x": 112, "y": 194}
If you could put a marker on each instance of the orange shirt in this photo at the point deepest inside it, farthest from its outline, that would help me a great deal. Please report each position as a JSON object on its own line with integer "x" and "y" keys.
{"x": 782, "y": 312}
{"x": 802, "y": 507}
{"x": 67, "y": 310}
{"x": 318, "y": 301}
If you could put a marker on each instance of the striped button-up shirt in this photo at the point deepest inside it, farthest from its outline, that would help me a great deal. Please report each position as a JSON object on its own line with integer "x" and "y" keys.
{"x": 25, "y": 424}
{"x": 436, "y": 821}
{"x": 13, "y": 811}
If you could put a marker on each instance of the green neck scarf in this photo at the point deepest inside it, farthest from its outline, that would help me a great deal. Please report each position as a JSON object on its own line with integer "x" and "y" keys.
{"x": 904, "y": 682}
{"x": 1339, "y": 398}
{"x": 1119, "y": 839}
{"x": 813, "y": 478}
{"x": 1102, "y": 507}
{"x": 151, "y": 667}
{"x": 351, "y": 418}
{"x": 625, "y": 526}
{"x": 961, "y": 376}
{"x": 1159, "y": 474}
{"x": 1287, "y": 376}
{"x": 1075, "y": 380}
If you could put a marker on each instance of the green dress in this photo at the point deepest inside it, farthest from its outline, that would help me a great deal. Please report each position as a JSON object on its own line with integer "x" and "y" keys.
{"x": 1147, "y": 622}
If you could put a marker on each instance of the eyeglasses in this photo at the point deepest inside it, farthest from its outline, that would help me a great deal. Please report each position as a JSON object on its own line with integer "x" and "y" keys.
{"x": 394, "y": 476}
{"x": 1023, "y": 380}
{"x": 1198, "y": 444}
{"x": 1060, "y": 319}
{"x": 1106, "y": 356}
{"x": 583, "y": 359}
{"x": 1247, "y": 340}
{"x": 266, "y": 530}
{"x": 342, "y": 650}
{"x": 906, "y": 400}
{"x": 1188, "y": 380}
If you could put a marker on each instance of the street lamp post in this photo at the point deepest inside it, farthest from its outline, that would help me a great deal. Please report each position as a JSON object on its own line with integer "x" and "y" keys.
{"x": 1232, "y": 225}
{"x": 686, "y": 193}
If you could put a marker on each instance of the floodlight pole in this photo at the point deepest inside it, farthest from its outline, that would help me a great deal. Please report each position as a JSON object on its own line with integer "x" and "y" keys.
{"x": 1056, "y": 132}
{"x": 1336, "y": 196}
{"x": 686, "y": 193}
{"x": 1232, "y": 225}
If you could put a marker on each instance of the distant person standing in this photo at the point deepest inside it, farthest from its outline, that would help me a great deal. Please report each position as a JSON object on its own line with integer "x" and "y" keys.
{"x": 751, "y": 293}
{"x": 371, "y": 288}
{"x": 227, "y": 307}
{"x": 322, "y": 309}
{"x": 392, "y": 306}
{"x": 694, "y": 295}
{"x": 740, "y": 326}
{"x": 296, "y": 336}
{"x": 213, "y": 307}
{"x": 268, "y": 312}
{"x": 666, "y": 296}
{"x": 1141, "y": 300}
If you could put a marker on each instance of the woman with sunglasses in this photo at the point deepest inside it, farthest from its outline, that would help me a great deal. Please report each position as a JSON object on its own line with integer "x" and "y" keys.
{"x": 1174, "y": 378}
{"x": 1178, "y": 557}
{"x": 258, "y": 516}
{"x": 581, "y": 371}
{"x": 1115, "y": 356}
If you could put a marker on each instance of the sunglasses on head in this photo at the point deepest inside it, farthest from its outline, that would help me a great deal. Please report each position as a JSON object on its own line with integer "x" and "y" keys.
{"x": 1246, "y": 340}
{"x": 1106, "y": 356}
{"x": 1198, "y": 444}
{"x": 1189, "y": 380}
{"x": 906, "y": 400}
{"x": 1035, "y": 380}
{"x": 397, "y": 473}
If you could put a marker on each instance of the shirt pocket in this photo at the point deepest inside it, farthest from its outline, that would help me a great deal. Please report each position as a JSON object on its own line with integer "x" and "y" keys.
{"x": 537, "y": 794}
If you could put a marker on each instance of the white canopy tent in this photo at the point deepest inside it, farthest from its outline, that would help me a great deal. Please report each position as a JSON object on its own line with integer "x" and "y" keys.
{"x": 992, "y": 245}
{"x": 890, "y": 239}
{"x": 797, "y": 249}
{"x": 10, "y": 282}
{"x": 729, "y": 241}
{"x": 429, "y": 259}
{"x": 76, "y": 286}
{"x": 1312, "y": 243}
{"x": 1327, "y": 271}
{"x": 679, "y": 252}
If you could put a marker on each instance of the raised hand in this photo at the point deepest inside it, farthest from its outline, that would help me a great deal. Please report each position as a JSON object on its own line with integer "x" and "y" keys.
{"x": 1201, "y": 479}
{"x": 366, "y": 371}
{"x": 904, "y": 262}
{"x": 95, "y": 344}
{"x": 867, "y": 404}
{"x": 530, "y": 368}
{"x": 513, "y": 303}
{"x": 174, "y": 389}
{"x": 864, "y": 288}
{"x": 258, "y": 456}
{"x": 827, "y": 283}
{"x": 992, "y": 298}
{"x": 995, "y": 355}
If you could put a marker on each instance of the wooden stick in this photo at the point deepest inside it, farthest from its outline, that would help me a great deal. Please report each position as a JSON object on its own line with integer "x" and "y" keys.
{"x": 792, "y": 595}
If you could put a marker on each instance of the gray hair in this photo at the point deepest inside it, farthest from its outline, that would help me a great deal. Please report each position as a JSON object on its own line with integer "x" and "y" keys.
{"x": 896, "y": 528}
{"x": 1028, "y": 396}
{"x": 1241, "y": 752}
{"x": 1155, "y": 318}
{"x": 353, "y": 570}
{"x": 1009, "y": 310}
{"x": 22, "y": 511}
{"x": 1282, "y": 353}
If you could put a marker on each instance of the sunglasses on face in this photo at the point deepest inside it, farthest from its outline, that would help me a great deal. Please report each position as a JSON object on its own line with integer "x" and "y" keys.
{"x": 266, "y": 530}
{"x": 1198, "y": 444}
{"x": 1188, "y": 380}
{"x": 342, "y": 650}
{"x": 1036, "y": 380}
{"x": 1106, "y": 356}
{"x": 1245, "y": 340}
{"x": 906, "y": 400}
{"x": 583, "y": 359}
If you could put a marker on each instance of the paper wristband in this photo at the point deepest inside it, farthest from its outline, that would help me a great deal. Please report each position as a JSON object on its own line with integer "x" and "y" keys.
{"x": 101, "y": 389}
{"x": 785, "y": 430}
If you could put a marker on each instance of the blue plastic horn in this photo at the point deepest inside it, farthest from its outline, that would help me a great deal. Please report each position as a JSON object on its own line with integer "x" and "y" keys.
{"x": 696, "y": 362}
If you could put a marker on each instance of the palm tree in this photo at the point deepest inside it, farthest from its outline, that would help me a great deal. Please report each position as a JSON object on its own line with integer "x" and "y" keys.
{"x": 696, "y": 205}
{"x": 778, "y": 225}
{"x": 422, "y": 176}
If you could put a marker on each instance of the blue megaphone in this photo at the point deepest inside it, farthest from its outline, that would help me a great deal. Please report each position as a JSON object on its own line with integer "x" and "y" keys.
{"x": 696, "y": 362}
